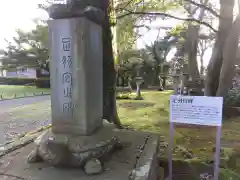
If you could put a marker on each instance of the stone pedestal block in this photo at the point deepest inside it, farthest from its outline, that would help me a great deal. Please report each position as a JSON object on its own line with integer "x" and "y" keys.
{"x": 76, "y": 75}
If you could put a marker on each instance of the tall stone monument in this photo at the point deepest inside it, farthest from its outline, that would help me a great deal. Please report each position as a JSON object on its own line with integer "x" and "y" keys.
{"x": 79, "y": 137}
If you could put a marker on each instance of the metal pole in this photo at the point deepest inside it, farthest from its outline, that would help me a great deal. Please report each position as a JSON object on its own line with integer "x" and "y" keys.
{"x": 170, "y": 147}
{"x": 217, "y": 153}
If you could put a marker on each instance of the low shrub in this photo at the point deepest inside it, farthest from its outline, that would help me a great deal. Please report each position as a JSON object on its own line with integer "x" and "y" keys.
{"x": 39, "y": 82}
{"x": 233, "y": 98}
{"x": 42, "y": 82}
{"x": 123, "y": 96}
{"x": 17, "y": 81}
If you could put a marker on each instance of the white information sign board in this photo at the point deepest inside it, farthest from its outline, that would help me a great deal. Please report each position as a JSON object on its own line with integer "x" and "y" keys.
{"x": 199, "y": 110}
{"x": 196, "y": 110}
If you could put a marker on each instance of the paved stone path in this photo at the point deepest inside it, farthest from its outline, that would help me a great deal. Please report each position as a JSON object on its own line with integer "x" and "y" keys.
{"x": 23, "y": 115}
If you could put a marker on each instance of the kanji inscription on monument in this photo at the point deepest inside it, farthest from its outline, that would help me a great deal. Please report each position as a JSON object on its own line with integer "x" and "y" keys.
{"x": 67, "y": 107}
{"x": 67, "y": 78}
{"x": 66, "y": 44}
{"x": 68, "y": 92}
{"x": 67, "y": 61}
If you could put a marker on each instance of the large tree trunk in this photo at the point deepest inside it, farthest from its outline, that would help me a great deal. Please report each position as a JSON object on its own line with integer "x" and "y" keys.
{"x": 109, "y": 72}
{"x": 229, "y": 59}
{"x": 192, "y": 39}
{"x": 156, "y": 75}
{"x": 202, "y": 49}
{"x": 215, "y": 63}
{"x": 192, "y": 43}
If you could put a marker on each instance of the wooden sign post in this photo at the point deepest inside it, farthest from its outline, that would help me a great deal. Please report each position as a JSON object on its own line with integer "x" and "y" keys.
{"x": 196, "y": 110}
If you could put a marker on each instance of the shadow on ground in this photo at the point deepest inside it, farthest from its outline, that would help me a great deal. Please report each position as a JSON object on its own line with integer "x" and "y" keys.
{"x": 135, "y": 105}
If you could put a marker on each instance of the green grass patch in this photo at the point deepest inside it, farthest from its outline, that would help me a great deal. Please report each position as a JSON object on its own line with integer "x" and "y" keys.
{"x": 11, "y": 91}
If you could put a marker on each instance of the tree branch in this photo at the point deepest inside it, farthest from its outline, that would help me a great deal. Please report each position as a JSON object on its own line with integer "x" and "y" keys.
{"x": 167, "y": 15}
{"x": 204, "y": 7}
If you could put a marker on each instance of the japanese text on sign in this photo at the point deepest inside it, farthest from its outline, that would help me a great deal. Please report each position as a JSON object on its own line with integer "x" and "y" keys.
{"x": 199, "y": 110}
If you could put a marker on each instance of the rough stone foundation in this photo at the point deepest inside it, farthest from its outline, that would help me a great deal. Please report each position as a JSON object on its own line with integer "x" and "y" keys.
{"x": 134, "y": 159}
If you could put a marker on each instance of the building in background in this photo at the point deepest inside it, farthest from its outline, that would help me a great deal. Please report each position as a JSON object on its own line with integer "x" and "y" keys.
{"x": 23, "y": 72}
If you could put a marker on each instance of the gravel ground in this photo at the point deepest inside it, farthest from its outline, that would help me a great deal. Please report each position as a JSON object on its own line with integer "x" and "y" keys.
{"x": 23, "y": 115}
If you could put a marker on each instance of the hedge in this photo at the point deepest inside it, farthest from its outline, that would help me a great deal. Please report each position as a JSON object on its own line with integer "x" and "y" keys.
{"x": 17, "y": 81}
{"x": 38, "y": 82}
{"x": 42, "y": 82}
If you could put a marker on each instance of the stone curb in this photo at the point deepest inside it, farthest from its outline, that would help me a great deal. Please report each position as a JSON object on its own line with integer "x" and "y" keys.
{"x": 22, "y": 140}
{"x": 36, "y": 95}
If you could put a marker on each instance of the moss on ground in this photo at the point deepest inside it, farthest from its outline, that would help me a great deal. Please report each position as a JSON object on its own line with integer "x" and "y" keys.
{"x": 194, "y": 169}
{"x": 152, "y": 114}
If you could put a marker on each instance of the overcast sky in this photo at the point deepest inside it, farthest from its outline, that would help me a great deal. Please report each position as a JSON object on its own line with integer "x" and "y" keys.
{"x": 17, "y": 14}
{"x": 20, "y": 14}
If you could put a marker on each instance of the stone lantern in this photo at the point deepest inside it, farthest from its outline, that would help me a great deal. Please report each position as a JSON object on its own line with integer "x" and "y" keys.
{"x": 164, "y": 73}
{"x": 184, "y": 78}
{"x": 139, "y": 80}
{"x": 160, "y": 83}
{"x": 176, "y": 81}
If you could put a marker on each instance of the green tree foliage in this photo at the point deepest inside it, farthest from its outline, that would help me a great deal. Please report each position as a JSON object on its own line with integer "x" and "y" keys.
{"x": 152, "y": 58}
{"x": 28, "y": 48}
{"x": 129, "y": 23}
{"x": 133, "y": 59}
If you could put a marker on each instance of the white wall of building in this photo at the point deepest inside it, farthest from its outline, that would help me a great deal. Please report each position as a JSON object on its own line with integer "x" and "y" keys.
{"x": 20, "y": 72}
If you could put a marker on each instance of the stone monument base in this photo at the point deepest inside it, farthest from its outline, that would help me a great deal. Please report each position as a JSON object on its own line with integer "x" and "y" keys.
{"x": 75, "y": 151}
{"x": 130, "y": 155}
